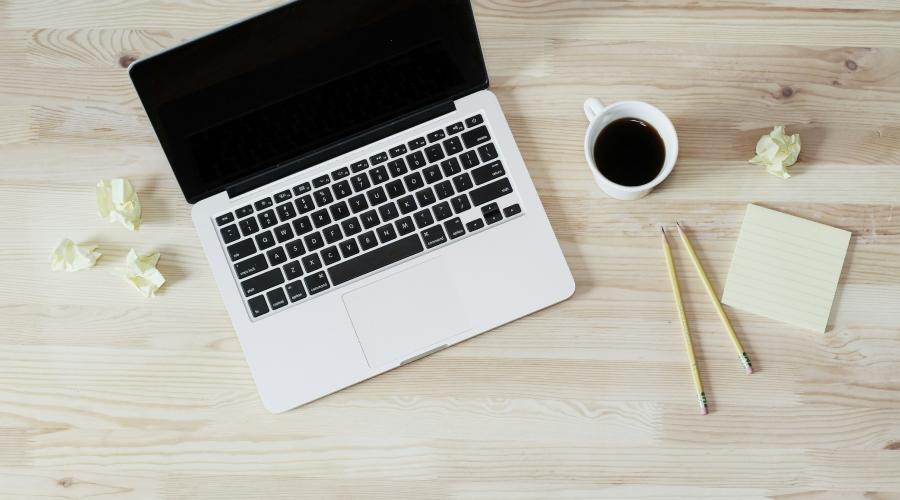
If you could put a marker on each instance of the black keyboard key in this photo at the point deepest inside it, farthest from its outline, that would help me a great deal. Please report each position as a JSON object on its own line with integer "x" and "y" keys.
{"x": 295, "y": 249}
{"x": 512, "y": 210}
{"x": 454, "y": 228}
{"x": 286, "y": 212}
{"x": 425, "y": 197}
{"x": 248, "y": 226}
{"x": 349, "y": 248}
{"x": 302, "y": 225}
{"x": 370, "y": 219}
{"x": 359, "y": 166}
{"x": 316, "y": 283}
{"x": 432, "y": 174}
{"x": 330, "y": 255}
{"x": 360, "y": 182}
{"x": 453, "y": 146}
{"x": 488, "y": 152}
{"x": 313, "y": 241}
{"x": 395, "y": 188}
{"x": 444, "y": 189}
{"x": 358, "y": 203}
{"x": 397, "y": 167}
{"x": 321, "y": 180}
{"x": 388, "y": 211}
{"x": 311, "y": 262}
{"x": 304, "y": 204}
{"x": 488, "y": 172}
{"x": 376, "y": 259}
{"x": 475, "y": 225}
{"x": 379, "y": 175}
{"x": 258, "y": 306}
{"x": 474, "y": 120}
{"x": 251, "y": 266}
{"x": 267, "y": 219}
{"x": 405, "y": 226}
{"x": 340, "y": 173}
{"x": 332, "y": 233}
{"x": 263, "y": 203}
{"x": 321, "y": 218}
{"x": 434, "y": 153}
{"x": 283, "y": 196}
{"x": 424, "y": 218}
{"x": 379, "y": 158}
{"x": 265, "y": 240}
{"x": 469, "y": 159}
{"x": 442, "y": 210}
{"x": 434, "y": 236}
{"x": 244, "y": 211}
{"x": 397, "y": 151}
{"x": 436, "y": 135}
{"x": 283, "y": 233}
{"x": 225, "y": 218}
{"x": 367, "y": 240}
{"x": 342, "y": 190}
{"x": 230, "y": 233}
{"x": 386, "y": 233}
{"x": 323, "y": 197}
{"x": 376, "y": 196}
{"x": 407, "y": 204}
{"x": 293, "y": 270}
{"x": 277, "y": 256}
{"x": 462, "y": 182}
{"x": 490, "y": 192}
{"x": 450, "y": 167}
{"x": 461, "y": 203}
{"x": 476, "y": 136}
{"x": 416, "y": 160}
{"x": 301, "y": 188}
{"x": 351, "y": 226}
{"x": 241, "y": 249}
{"x": 295, "y": 291}
{"x": 455, "y": 128}
{"x": 416, "y": 143}
{"x": 262, "y": 282}
{"x": 339, "y": 210}
{"x": 276, "y": 298}
{"x": 490, "y": 207}
{"x": 493, "y": 217}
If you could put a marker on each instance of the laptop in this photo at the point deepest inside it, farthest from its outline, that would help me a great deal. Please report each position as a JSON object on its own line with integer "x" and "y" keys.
{"x": 355, "y": 186}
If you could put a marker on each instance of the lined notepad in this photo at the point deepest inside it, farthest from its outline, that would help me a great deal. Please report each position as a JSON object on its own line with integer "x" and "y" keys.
{"x": 786, "y": 268}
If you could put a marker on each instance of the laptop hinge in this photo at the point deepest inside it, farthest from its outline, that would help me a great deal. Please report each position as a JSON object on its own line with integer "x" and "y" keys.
{"x": 338, "y": 148}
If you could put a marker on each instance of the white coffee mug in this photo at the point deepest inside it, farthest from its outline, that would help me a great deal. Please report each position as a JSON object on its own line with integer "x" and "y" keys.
{"x": 599, "y": 117}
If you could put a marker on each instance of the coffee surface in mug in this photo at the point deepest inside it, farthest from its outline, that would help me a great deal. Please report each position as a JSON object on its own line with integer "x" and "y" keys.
{"x": 629, "y": 152}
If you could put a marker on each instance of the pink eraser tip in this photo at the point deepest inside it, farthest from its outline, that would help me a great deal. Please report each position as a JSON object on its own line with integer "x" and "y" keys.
{"x": 749, "y": 370}
{"x": 704, "y": 411}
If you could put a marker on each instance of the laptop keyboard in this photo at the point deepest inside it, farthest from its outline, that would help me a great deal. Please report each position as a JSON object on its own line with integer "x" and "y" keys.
{"x": 367, "y": 215}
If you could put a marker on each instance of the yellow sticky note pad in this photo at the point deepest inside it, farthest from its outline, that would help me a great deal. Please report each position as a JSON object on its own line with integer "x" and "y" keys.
{"x": 786, "y": 268}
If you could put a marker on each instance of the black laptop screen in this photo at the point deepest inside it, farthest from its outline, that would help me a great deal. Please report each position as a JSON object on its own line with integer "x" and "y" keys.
{"x": 299, "y": 78}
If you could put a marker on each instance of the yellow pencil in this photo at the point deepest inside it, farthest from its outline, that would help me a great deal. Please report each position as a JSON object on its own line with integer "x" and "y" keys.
{"x": 685, "y": 331}
{"x": 745, "y": 360}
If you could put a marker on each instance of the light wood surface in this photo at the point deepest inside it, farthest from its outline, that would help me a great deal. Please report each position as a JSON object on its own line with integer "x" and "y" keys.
{"x": 106, "y": 394}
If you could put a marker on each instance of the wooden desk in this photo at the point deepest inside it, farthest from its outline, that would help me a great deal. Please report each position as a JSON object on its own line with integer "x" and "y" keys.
{"x": 103, "y": 392}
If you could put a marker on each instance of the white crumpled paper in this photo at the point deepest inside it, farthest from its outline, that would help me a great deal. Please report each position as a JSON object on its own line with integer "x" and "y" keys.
{"x": 775, "y": 151}
{"x": 141, "y": 271}
{"x": 70, "y": 257}
{"x": 117, "y": 201}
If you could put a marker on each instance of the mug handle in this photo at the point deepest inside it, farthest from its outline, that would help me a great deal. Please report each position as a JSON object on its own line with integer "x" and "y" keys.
{"x": 592, "y": 108}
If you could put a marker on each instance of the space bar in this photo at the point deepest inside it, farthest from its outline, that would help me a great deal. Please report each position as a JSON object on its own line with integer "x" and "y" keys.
{"x": 376, "y": 259}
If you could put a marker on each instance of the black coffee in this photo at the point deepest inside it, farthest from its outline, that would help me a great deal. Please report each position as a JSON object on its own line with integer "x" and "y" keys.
{"x": 629, "y": 152}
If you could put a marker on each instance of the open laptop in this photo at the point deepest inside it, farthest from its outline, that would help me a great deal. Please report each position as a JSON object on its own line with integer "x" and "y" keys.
{"x": 356, "y": 188}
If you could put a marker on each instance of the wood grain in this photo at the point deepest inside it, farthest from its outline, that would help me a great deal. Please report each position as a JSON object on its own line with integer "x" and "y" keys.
{"x": 106, "y": 394}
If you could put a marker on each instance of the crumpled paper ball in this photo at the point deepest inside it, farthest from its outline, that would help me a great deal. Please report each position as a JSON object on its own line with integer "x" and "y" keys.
{"x": 775, "y": 151}
{"x": 70, "y": 257}
{"x": 117, "y": 201}
{"x": 141, "y": 272}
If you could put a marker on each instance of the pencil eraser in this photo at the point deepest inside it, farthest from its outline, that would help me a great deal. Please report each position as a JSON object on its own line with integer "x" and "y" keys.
{"x": 704, "y": 410}
{"x": 749, "y": 370}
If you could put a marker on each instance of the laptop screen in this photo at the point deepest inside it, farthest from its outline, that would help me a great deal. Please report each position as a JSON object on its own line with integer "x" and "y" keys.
{"x": 296, "y": 79}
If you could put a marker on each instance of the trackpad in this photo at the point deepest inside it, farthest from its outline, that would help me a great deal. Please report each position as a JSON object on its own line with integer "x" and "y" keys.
{"x": 406, "y": 314}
